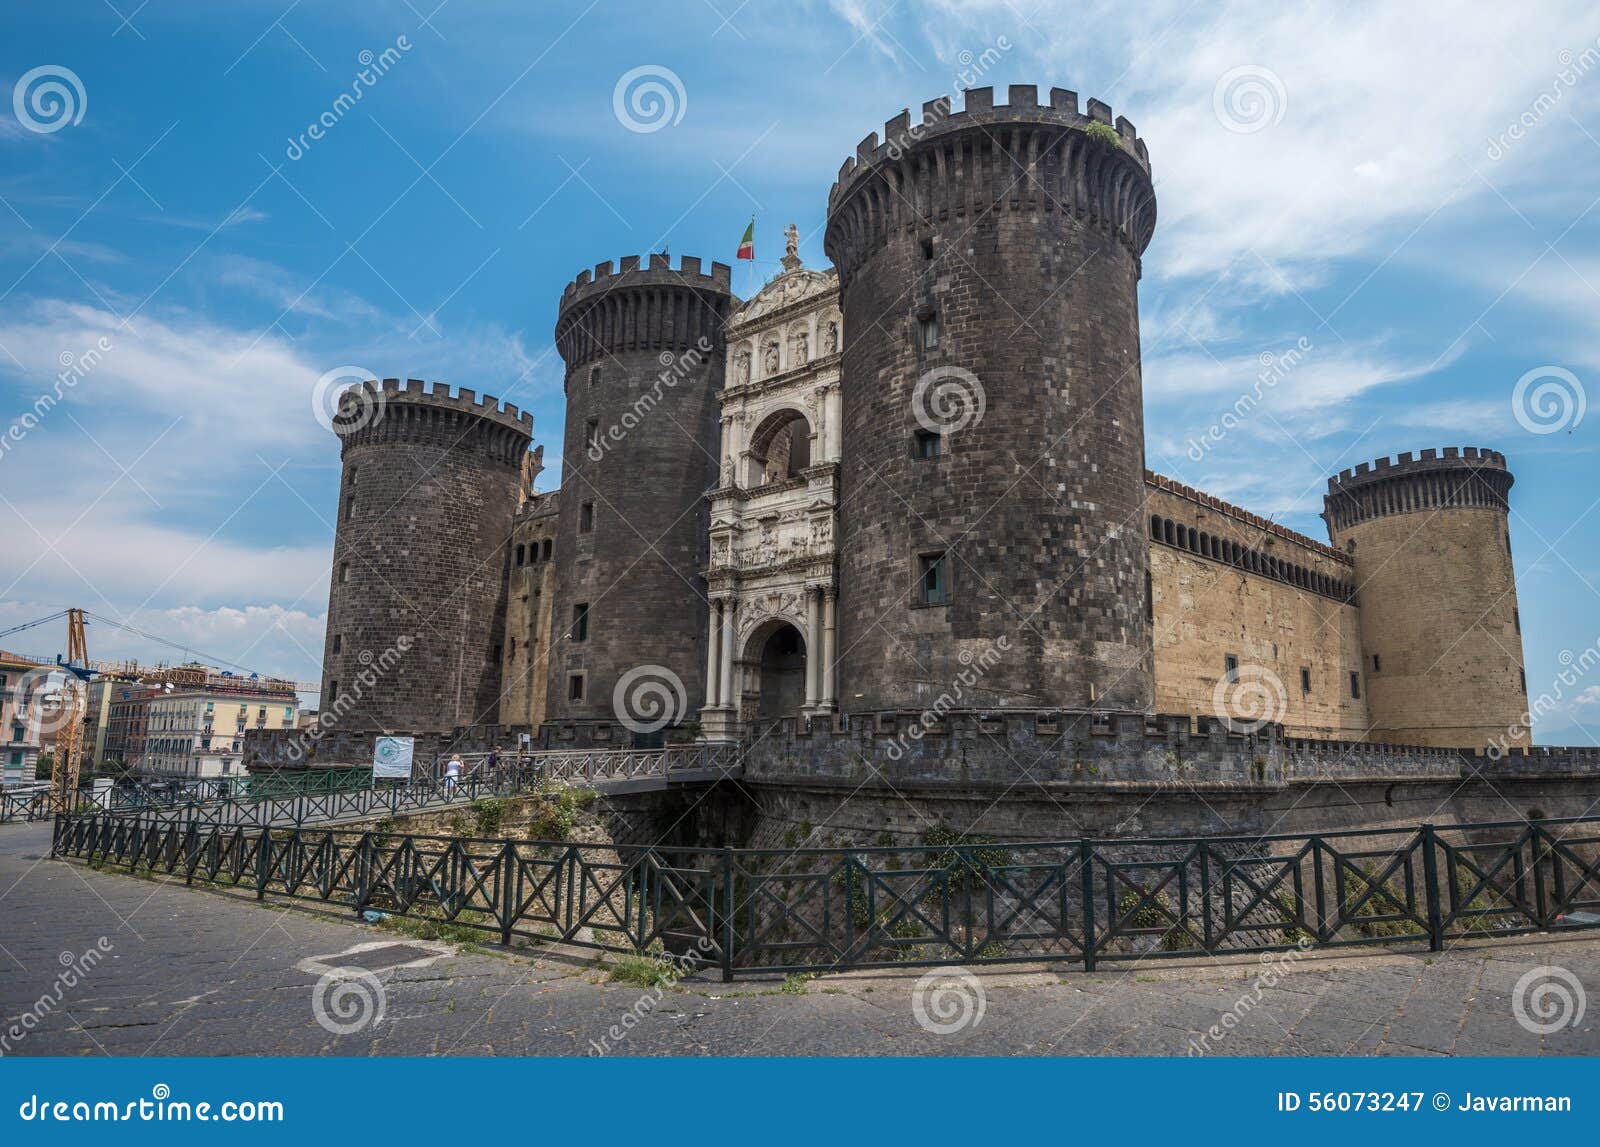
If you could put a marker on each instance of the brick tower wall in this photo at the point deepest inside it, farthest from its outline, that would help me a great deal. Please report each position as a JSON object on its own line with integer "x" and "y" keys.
{"x": 644, "y": 354}
{"x": 1019, "y": 230}
{"x": 1440, "y": 629}
{"x": 416, "y": 609}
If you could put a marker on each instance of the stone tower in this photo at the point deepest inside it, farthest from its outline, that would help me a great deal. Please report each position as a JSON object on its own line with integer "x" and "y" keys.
{"x": 1441, "y": 634}
{"x": 416, "y": 608}
{"x": 993, "y": 421}
{"x": 644, "y": 354}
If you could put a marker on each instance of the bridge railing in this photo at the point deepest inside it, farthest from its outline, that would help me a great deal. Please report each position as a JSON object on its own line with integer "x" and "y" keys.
{"x": 224, "y": 802}
{"x": 1085, "y": 902}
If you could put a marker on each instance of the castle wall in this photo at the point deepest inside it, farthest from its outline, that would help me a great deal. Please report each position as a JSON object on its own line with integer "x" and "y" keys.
{"x": 526, "y": 669}
{"x": 990, "y": 258}
{"x": 1282, "y": 614}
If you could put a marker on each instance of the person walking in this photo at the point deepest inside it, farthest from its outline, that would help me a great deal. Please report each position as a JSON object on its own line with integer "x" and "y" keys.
{"x": 452, "y": 775}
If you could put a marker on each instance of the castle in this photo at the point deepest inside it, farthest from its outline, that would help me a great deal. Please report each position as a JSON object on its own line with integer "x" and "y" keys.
{"x": 905, "y": 493}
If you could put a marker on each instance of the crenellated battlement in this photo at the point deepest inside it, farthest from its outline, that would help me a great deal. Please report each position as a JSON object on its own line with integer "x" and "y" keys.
{"x": 658, "y": 271}
{"x": 393, "y": 411}
{"x": 650, "y": 307}
{"x": 1239, "y": 513}
{"x": 1021, "y": 156}
{"x": 1455, "y": 477}
{"x": 1431, "y": 460}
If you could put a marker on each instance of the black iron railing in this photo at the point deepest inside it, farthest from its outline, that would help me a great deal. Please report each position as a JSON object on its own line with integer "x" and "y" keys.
{"x": 1084, "y": 902}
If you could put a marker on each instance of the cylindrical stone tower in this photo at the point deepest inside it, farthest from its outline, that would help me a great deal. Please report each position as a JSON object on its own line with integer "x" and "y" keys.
{"x": 993, "y": 485}
{"x": 416, "y": 610}
{"x": 644, "y": 354}
{"x": 1441, "y": 635}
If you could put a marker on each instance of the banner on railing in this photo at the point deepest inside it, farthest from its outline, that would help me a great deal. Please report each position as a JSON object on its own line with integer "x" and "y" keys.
{"x": 391, "y": 757}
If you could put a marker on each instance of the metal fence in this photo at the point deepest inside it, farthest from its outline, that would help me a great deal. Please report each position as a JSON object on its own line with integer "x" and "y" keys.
{"x": 781, "y": 910}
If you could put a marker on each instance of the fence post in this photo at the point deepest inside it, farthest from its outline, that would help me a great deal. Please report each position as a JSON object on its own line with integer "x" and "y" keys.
{"x": 727, "y": 915}
{"x": 509, "y": 869}
{"x": 263, "y": 861}
{"x": 1430, "y": 876}
{"x": 1540, "y": 899}
{"x": 1086, "y": 863}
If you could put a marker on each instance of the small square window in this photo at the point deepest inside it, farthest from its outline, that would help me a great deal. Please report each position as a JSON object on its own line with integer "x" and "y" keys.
{"x": 575, "y": 687}
{"x": 586, "y": 518}
{"x": 580, "y": 621}
{"x": 933, "y": 579}
{"x": 928, "y": 444}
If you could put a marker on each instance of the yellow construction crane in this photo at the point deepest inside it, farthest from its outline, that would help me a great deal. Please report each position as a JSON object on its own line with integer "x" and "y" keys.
{"x": 72, "y": 702}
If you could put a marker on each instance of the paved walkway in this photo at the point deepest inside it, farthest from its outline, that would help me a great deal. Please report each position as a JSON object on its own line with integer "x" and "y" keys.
{"x": 197, "y": 972}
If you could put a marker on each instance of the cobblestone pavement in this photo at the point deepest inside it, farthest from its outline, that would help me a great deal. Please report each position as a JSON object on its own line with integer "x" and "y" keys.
{"x": 198, "y": 972}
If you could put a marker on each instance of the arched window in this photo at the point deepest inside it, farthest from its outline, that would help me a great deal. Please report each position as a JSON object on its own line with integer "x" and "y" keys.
{"x": 522, "y": 551}
{"x": 1155, "y": 526}
{"x": 548, "y": 545}
{"x": 780, "y": 448}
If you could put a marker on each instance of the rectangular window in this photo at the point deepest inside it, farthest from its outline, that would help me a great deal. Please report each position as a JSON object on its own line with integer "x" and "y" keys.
{"x": 1355, "y": 685}
{"x": 586, "y": 518}
{"x": 349, "y": 507}
{"x": 580, "y": 621}
{"x": 927, "y": 247}
{"x": 344, "y": 572}
{"x": 1149, "y": 597}
{"x": 1305, "y": 680}
{"x": 933, "y": 579}
{"x": 522, "y": 553}
{"x": 1230, "y": 666}
{"x": 1377, "y": 663}
{"x": 1516, "y": 620}
{"x": 591, "y": 431}
{"x": 575, "y": 687}
{"x": 338, "y": 644}
{"x": 353, "y": 470}
{"x": 927, "y": 444}
{"x": 928, "y": 332}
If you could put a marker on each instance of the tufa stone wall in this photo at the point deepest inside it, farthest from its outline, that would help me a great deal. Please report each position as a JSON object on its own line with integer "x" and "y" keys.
{"x": 525, "y": 673}
{"x": 1228, "y": 584}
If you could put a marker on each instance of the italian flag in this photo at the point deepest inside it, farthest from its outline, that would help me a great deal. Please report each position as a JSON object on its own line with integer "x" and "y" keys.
{"x": 747, "y": 245}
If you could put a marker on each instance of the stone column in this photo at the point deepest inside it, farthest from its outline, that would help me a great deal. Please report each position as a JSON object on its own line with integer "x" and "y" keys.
{"x": 713, "y": 648}
{"x": 813, "y": 646}
{"x": 830, "y": 597}
{"x": 726, "y": 697}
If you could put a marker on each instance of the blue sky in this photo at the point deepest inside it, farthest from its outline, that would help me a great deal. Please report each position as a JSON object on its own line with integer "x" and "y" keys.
{"x": 1347, "y": 178}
